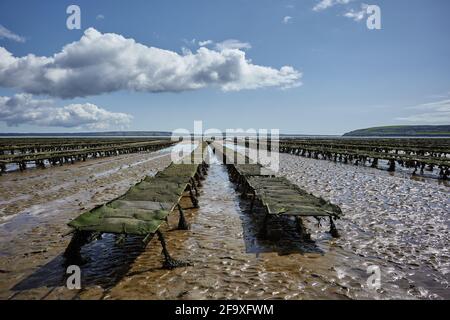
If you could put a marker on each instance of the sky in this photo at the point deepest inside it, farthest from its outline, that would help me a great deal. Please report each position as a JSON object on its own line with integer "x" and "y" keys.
{"x": 304, "y": 67}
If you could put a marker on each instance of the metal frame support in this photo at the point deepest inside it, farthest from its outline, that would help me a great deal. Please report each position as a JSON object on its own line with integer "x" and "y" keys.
{"x": 169, "y": 262}
{"x": 182, "y": 223}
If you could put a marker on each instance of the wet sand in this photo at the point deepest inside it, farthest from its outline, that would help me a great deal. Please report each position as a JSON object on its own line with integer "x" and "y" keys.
{"x": 399, "y": 224}
{"x": 392, "y": 220}
{"x": 37, "y": 204}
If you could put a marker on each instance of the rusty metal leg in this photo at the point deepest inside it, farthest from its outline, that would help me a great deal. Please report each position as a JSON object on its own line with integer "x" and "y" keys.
{"x": 72, "y": 254}
{"x": 199, "y": 177}
{"x": 391, "y": 165}
{"x": 182, "y": 223}
{"x": 169, "y": 262}
{"x": 375, "y": 163}
{"x": 244, "y": 190}
{"x": 446, "y": 174}
{"x": 193, "y": 198}
{"x": 333, "y": 230}
{"x": 194, "y": 185}
{"x": 302, "y": 230}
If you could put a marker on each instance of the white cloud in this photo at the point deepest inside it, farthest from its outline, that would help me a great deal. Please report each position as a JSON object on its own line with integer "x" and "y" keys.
{"x": 287, "y": 19}
{"x": 24, "y": 109}
{"x": 226, "y": 44}
{"x": 325, "y": 4}
{"x": 232, "y": 44}
{"x": 357, "y": 15}
{"x": 100, "y": 17}
{"x": 205, "y": 43}
{"x": 437, "y": 112}
{"x": 8, "y": 34}
{"x": 101, "y": 63}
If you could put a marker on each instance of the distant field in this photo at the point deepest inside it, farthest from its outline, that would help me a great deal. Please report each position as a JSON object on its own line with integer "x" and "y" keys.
{"x": 403, "y": 131}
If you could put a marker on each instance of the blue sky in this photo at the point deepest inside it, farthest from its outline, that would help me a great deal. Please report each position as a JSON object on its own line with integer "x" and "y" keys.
{"x": 351, "y": 77}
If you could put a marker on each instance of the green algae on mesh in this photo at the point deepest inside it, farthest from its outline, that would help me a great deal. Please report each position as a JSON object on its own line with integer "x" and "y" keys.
{"x": 178, "y": 170}
{"x": 111, "y": 220}
{"x": 144, "y": 207}
{"x": 280, "y": 196}
{"x": 253, "y": 170}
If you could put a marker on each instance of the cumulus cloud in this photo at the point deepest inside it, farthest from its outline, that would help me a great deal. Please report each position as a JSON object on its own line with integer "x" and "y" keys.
{"x": 232, "y": 44}
{"x": 437, "y": 112}
{"x": 357, "y": 15}
{"x": 8, "y": 34}
{"x": 205, "y": 43}
{"x": 325, "y": 4}
{"x": 100, "y": 17}
{"x": 287, "y": 19}
{"x": 226, "y": 44}
{"x": 101, "y": 63}
{"x": 24, "y": 109}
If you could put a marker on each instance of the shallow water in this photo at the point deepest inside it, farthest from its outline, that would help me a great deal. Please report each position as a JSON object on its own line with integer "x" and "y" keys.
{"x": 398, "y": 224}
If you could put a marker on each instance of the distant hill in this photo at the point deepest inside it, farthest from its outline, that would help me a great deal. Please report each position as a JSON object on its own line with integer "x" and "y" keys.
{"x": 93, "y": 134}
{"x": 402, "y": 131}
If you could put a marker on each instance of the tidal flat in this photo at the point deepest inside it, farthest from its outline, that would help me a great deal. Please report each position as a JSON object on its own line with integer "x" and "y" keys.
{"x": 392, "y": 221}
